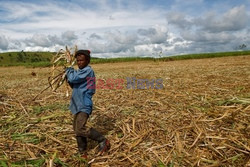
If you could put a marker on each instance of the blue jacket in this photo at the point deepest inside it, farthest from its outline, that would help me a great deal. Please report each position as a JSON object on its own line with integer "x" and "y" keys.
{"x": 81, "y": 100}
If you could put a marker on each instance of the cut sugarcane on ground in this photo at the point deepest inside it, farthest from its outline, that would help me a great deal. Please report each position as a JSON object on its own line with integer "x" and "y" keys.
{"x": 200, "y": 118}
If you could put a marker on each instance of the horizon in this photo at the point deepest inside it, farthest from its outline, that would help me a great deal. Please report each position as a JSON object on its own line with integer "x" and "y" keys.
{"x": 149, "y": 57}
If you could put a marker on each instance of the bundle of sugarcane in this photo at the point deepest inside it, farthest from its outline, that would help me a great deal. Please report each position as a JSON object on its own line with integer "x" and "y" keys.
{"x": 62, "y": 60}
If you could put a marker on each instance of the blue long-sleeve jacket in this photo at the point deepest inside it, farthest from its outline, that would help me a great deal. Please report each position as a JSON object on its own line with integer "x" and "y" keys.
{"x": 83, "y": 90}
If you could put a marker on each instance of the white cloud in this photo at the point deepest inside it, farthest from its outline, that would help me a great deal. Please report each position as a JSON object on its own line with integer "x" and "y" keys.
{"x": 69, "y": 36}
{"x": 154, "y": 35}
{"x": 115, "y": 41}
{"x": 179, "y": 19}
{"x": 3, "y": 42}
{"x": 211, "y": 32}
{"x": 120, "y": 28}
{"x": 38, "y": 40}
{"x": 203, "y": 36}
{"x": 95, "y": 36}
{"x": 233, "y": 20}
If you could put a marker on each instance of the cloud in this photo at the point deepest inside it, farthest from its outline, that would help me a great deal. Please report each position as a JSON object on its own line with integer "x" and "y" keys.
{"x": 155, "y": 35}
{"x": 211, "y": 32}
{"x": 38, "y": 40}
{"x": 133, "y": 42}
{"x": 3, "y": 42}
{"x": 51, "y": 17}
{"x": 179, "y": 19}
{"x": 42, "y": 40}
{"x": 203, "y": 36}
{"x": 233, "y": 20}
{"x": 115, "y": 41}
{"x": 119, "y": 28}
{"x": 57, "y": 40}
{"x": 68, "y": 37}
{"x": 95, "y": 36}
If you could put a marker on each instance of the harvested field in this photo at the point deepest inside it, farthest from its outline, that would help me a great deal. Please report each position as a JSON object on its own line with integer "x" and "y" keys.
{"x": 201, "y": 117}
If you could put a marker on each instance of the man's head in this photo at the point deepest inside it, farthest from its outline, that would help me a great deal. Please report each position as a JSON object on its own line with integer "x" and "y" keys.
{"x": 82, "y": 58}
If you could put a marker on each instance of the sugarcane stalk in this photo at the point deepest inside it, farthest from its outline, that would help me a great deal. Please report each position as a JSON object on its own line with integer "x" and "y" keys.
{"x": 68, "y": 59}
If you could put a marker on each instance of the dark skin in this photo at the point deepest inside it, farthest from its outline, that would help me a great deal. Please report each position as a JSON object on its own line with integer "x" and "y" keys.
{"x": 81, "y": 61}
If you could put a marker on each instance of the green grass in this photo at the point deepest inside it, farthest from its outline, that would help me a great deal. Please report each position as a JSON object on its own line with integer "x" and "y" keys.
{"x": 170, "y": 58}
{"x": 207, "y": 55}
{"x": 33, "y": 65}
{"x": 34, "y": 163}
{"x": 43, "y": 59}
{"x": 52, "y": 107}
{"x": 121, "y": 59}
{"x": 26, "y": 137}
{"x": 21, "y": 58}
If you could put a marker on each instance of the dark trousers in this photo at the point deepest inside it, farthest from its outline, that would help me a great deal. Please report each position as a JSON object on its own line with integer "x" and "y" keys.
{"x": 79, "y": 124}
{"x": 83, "y": 132}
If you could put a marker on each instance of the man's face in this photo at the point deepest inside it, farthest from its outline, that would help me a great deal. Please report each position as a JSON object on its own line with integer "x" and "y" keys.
{"x": 81, "y": 61}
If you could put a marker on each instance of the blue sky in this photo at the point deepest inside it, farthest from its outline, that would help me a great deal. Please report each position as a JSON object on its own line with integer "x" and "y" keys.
{"x": 118, "y": 28}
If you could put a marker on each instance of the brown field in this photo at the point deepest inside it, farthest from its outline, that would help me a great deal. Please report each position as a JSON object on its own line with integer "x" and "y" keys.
{"x": 200, "y": 118}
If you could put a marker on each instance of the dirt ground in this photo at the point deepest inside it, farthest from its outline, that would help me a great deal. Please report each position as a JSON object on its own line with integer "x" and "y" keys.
{"x": 197, "y": 113}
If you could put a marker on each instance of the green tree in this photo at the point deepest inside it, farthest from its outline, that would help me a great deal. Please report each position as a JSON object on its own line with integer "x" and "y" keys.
{"x": 20, "y": 57}
{"x": 243, "y": 46}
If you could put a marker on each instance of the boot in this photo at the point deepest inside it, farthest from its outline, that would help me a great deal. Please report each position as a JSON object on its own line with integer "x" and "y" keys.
{"x": 82, "y": 144}
{"x": 104, "y": 144}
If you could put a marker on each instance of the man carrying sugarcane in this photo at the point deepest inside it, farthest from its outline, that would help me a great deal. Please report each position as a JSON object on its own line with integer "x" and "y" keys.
{"x": 81, "y": 103}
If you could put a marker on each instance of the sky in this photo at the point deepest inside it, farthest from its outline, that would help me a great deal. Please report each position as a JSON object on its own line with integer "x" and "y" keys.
{"x": 125, "y": 28}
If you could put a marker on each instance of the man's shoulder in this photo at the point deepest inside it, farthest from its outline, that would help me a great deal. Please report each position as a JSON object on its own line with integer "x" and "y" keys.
{"x": 87, "y": 69}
